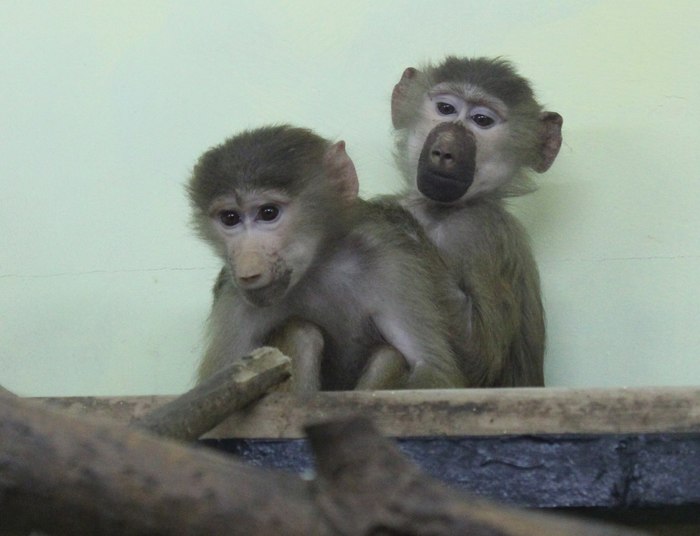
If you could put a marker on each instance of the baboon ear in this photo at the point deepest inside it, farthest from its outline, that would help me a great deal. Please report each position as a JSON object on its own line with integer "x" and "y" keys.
{"x": 341, "y": 171}
{"x": 398, "y": 116}
{"x": 550, "y": 140}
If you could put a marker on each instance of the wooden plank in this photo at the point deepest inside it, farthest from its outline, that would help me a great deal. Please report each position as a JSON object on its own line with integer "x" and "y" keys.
{"x": 463, "y": 412}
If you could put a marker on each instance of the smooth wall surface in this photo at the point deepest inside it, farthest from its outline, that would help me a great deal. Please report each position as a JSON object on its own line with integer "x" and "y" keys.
{"x": 104, "y": 108}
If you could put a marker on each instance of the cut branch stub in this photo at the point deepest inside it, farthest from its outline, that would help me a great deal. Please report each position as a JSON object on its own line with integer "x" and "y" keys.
{"x": 231, "y": 388}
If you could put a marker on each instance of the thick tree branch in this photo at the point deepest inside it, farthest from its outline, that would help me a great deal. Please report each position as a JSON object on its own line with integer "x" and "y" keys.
{"x": 64, "y": 475}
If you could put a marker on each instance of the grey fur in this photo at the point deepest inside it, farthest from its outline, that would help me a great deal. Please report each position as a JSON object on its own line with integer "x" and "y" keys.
{"x": 372, "y": 283}
{"x": 487, "y": 250}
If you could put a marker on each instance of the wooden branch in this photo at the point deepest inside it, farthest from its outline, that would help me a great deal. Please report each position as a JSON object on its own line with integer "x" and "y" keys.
{"x": 206, "y": 405}
{"x": 365, "y": 486}
{"x": 65, "y": 475}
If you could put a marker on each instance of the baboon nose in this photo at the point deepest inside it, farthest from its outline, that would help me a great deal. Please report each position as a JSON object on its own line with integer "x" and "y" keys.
{"x": 442, "y": 158}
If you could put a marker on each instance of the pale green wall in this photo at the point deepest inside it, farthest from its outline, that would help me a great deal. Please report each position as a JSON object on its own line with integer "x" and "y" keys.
{"x": 104, "y": 107}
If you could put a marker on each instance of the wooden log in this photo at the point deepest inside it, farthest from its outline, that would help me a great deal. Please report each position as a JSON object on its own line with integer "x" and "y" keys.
{"x": 64, "y": 475}
{"x": 202, "y": 408}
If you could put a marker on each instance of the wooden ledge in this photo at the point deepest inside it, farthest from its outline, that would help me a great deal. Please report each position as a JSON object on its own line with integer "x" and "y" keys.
{"x": 467, "y": 412}
{"x": 608, "y": 450}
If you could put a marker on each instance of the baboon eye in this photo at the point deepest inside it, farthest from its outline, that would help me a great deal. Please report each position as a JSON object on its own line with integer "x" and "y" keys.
{"x": 268, "y": 212}
{"x": 229, "y": 218}
{"x": 445, "y": 108}
{"x": 482, "y": 120}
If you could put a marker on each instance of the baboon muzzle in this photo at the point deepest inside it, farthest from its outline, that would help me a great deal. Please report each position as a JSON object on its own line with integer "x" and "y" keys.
{"x": 447, "y": 163}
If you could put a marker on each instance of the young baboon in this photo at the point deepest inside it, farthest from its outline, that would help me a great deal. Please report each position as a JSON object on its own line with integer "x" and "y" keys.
{"x": 352, "y": 289}
{"x": 466, "y": 132}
